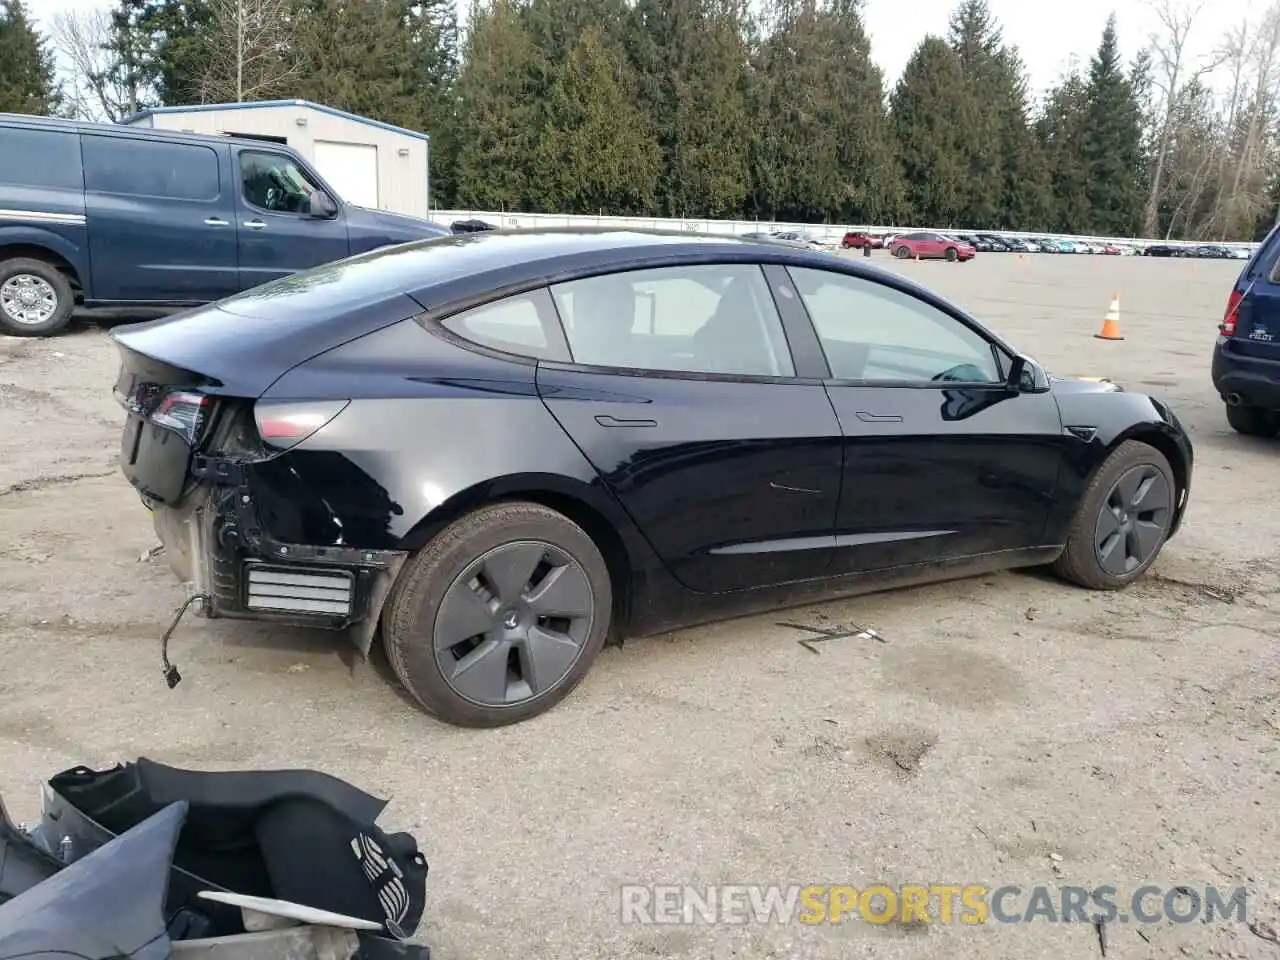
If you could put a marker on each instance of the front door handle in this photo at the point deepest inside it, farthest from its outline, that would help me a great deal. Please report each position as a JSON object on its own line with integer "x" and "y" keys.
{"x": 866, "y": 417}
{"x": 215, "y": 222}
{"x": 254, "y": 224}
{"x": 607, "y": 421}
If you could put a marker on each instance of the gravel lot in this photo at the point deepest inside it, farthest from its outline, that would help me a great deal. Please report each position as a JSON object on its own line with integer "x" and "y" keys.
{"x": 1011, "y": 730}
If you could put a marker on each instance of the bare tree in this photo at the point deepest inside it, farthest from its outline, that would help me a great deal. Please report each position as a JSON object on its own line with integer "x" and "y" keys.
{"x": 1249, "y": 180}
{"x": 103, "y": 83}
{"x": 249, "y": 54}
{"x": 1173, "y": 74}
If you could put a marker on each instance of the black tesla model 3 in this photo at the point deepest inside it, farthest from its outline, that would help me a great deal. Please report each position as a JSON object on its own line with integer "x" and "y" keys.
{"x": 505, "y": 447}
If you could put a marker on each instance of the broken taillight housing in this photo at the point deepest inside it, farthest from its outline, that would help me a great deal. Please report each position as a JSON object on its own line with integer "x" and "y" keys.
{"x": 286, "y": 423}
{"x": 1228, "y": 326}
{"x": 183, "y": 412}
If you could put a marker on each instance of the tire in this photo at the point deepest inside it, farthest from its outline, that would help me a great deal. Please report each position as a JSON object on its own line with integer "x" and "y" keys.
{"x": 951, "y": 255}
{"x": 416, "y": 608}
{"x": 46, "y": 280}
{"x": 1253, "y": 421}
{"x": 902, "y": 253}
{"x": 1080, "y": 561}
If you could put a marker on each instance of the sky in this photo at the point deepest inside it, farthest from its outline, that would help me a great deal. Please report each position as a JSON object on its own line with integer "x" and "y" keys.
{"x": 1047, "y": 32}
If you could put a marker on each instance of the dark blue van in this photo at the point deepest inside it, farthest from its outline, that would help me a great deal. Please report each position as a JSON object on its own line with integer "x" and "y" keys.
{"x": 1246, "y": 356}
{"x": 110, "y": 216}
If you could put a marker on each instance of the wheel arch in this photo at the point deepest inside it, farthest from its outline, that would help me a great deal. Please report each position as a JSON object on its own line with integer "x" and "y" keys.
{"x": 12, "y": 248}
{"x": 587, "y": 505}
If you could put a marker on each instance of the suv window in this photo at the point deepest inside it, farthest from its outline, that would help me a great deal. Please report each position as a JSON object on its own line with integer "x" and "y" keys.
{"x": 40, "y": 158}
{"x": 872, "y": 332}
{"x": 710, "y": 319}
{"x": 525, "y": 325}
{"x": 149, "y": 168}
{"x": 274, "y": 182}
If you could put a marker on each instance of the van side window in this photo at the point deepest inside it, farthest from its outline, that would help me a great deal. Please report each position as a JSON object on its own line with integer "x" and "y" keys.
{"x": 273, "y": 182}
{"x": 150, "y": 168}
{"x": 40, "y": 158}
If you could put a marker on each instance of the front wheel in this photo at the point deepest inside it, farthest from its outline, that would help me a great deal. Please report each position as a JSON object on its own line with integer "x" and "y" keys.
{"x": 1122, "y": 520}
{"x": 951, "y": 254}
{"x": 1253, "y": 421}
{"x": 500, "y": 616}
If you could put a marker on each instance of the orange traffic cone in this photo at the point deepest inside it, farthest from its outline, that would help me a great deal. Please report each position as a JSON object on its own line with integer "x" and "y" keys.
{"x": 1111, "y": 323}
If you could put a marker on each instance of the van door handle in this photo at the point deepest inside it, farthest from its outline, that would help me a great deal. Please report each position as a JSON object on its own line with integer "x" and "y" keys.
{"x": 607, "y": 421}
{"x": 215, "y": 222}
{"x": 866, "y": 417}
{"x": 254, "y": 224}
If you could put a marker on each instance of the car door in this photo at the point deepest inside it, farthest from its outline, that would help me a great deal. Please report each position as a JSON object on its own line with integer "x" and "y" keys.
{"x": 161, "y": 220}
{"x": 942, "y": 459}
{"x": 682, "y": 393}
{"x": 285, "y": 223}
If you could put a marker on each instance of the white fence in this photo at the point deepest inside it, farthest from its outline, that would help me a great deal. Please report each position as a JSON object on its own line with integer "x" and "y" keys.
{"x": 822, "y": 232}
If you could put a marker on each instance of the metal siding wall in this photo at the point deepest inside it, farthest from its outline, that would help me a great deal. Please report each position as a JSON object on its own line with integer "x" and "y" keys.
{"x": 402, "y": 180}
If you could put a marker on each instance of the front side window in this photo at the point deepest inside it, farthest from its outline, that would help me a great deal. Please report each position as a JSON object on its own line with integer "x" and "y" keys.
{"x": 707, "y": 319}
{"x": 274, "y": 182}
{"x": 873, "y": 332}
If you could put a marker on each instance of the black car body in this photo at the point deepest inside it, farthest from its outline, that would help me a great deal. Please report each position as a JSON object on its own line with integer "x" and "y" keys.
{"x": 687, "y": 405}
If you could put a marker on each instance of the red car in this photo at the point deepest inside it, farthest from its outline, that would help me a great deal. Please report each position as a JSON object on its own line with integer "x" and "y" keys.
{"x": 856, "y": 240}
{"x": 931, "y": 246}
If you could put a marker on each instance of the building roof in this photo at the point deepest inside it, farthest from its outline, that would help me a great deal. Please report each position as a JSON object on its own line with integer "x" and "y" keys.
{"x": 258, "y": 104}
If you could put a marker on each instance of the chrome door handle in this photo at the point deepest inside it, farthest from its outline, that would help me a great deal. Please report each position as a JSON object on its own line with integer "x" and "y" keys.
{"x": 215, "y": 222}
{"x": 254, "y": 224}
{"x": 866, "y": 417}
{"x": 607, "y": 421}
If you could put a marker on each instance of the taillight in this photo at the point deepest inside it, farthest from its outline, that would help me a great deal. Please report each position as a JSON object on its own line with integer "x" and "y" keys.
{"x": 183, "y": 412}
{"x": 1228, "y": 326}
{"x": 286, "y": 423}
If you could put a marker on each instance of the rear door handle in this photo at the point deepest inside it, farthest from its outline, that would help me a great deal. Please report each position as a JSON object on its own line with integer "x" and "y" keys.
{"x": 866, "y": 417}
{"x": 254, "y": 224}
{"x": 607, "y": 421}
{"x": 215, "y": 222}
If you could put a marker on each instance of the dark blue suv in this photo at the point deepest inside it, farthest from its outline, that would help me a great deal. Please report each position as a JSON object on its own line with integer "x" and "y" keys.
{"x": 110, "y": 216}
{"x": 1246, "y": 356}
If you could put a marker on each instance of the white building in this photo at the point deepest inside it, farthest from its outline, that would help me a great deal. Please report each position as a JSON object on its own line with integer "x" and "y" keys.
{"x": 369, "y": 163}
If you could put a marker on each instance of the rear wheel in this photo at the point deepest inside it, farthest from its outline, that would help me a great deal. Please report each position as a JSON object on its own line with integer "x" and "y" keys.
{"x": 500, "y": 616}
{"x": 1253, "y": 421}
{"x": 1122, "y": 521}
{"x": 36, "y": 299}
{"x": 902, "y": 253}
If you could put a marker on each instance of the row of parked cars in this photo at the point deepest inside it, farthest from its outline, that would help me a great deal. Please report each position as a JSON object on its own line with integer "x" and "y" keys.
{"x": 994, "y": 243}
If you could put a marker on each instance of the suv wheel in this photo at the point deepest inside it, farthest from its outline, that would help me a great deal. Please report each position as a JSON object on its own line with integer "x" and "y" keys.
{"x": 35, "y": 298}
{"x": 1253, "y": 421}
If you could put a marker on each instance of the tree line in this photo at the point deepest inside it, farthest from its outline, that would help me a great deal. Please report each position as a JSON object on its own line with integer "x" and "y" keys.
{"x": 704, "y": 108}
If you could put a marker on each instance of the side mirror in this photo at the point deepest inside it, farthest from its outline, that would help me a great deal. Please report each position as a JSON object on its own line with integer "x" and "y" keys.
{"x": 1017, "y": 371}
{"x": 322, "y": 206}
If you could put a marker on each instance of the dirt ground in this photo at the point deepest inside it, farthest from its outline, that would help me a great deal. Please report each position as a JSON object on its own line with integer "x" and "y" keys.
{"x": 1011, "y": 729}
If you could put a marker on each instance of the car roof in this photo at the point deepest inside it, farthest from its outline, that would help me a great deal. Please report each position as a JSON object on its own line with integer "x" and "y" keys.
{"x": 444, "y": 269}
{"x": 115, "y": 129}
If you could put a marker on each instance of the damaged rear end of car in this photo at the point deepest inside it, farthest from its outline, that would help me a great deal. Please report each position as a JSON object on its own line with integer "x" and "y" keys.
{"x": 256, "y": 526}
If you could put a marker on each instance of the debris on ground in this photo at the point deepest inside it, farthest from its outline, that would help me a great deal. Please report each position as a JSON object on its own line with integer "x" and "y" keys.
{"x": 823, "y": 634}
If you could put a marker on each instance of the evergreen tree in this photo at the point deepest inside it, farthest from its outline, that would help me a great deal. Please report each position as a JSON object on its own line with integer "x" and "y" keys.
{"x": 1060, "y": 130}
{"x": 931, "y": 140}
{"x": 27, "y": 79}
{"x": 1111, "y": 143}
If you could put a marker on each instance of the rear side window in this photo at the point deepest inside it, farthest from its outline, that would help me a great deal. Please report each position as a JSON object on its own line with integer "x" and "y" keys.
{"x": 525, "y": 325}
{"x": 148, "y": 168}
{"x": 40, "y": 158}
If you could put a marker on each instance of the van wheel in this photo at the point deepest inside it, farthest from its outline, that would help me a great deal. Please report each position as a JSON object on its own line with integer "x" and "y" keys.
{"x": 36, "y": 299}
{"x": 1253, "y": 421}
{"x": 500, "y": 616}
